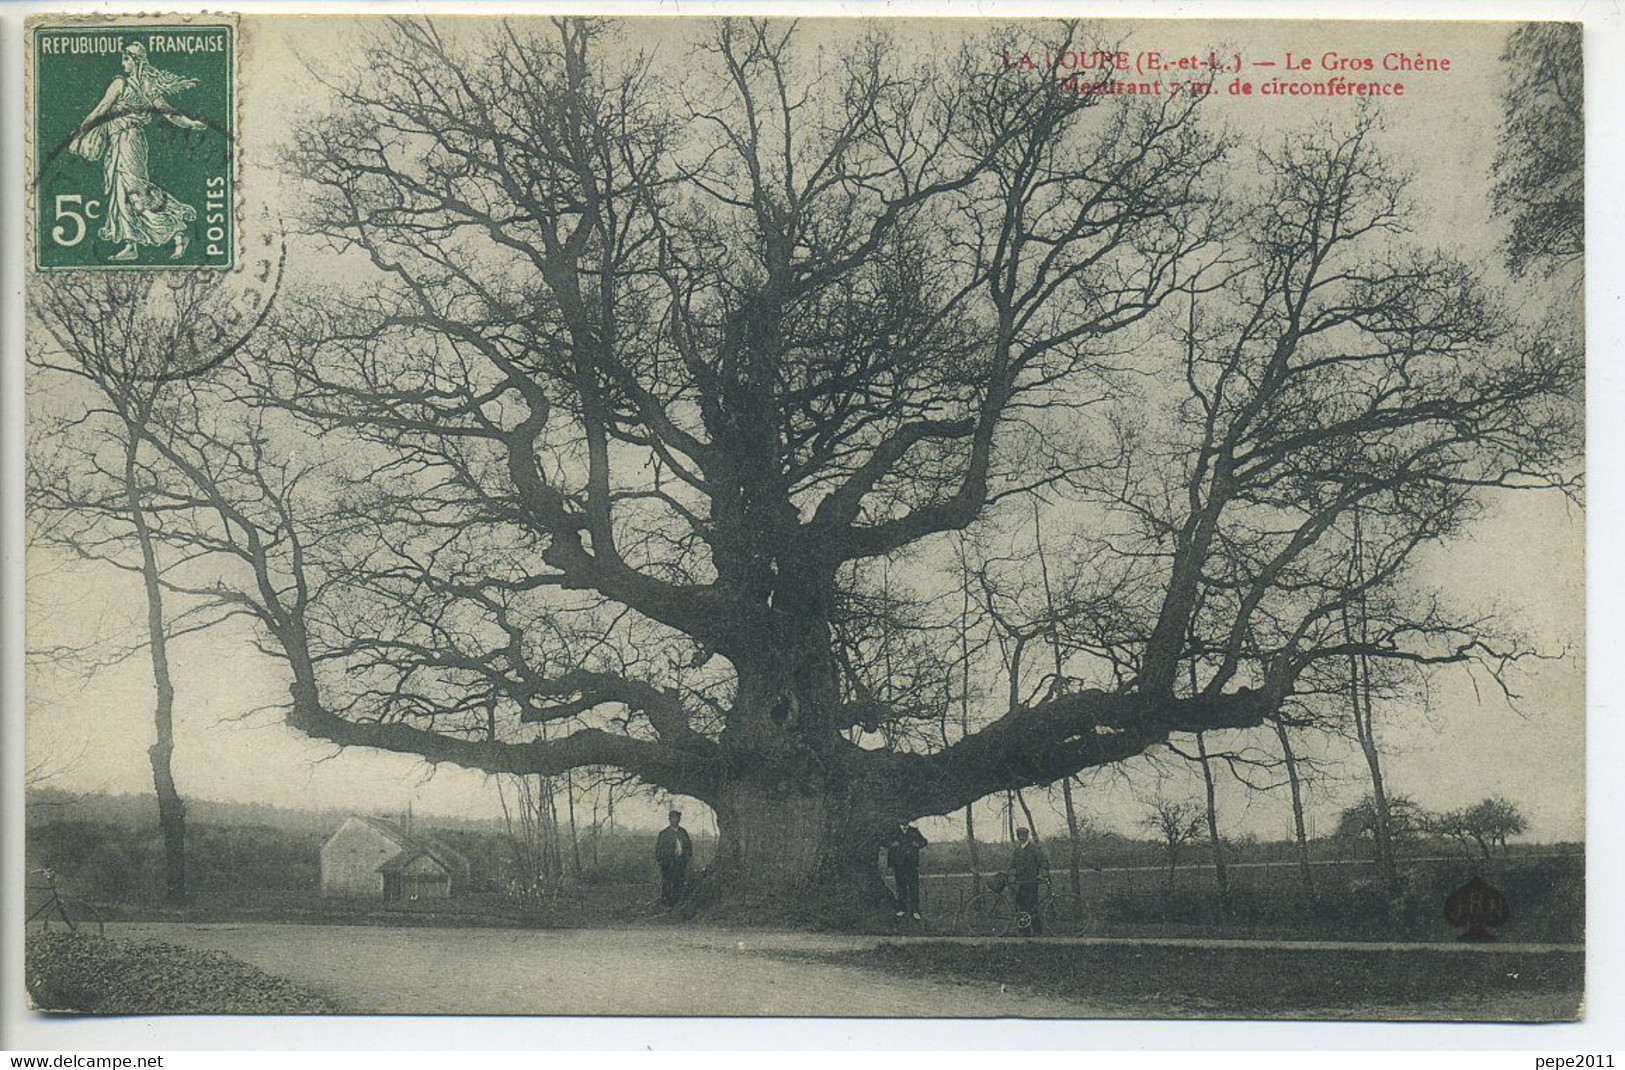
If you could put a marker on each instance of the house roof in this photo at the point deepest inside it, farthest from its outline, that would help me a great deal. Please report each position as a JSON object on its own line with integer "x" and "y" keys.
{"x": 412, "y": 847}
{"x": 401, "y": 861}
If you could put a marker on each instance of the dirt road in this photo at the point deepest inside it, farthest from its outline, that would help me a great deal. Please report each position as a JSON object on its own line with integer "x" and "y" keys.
{"x": 365, "y": 969}
{"x": 655, "y": 971}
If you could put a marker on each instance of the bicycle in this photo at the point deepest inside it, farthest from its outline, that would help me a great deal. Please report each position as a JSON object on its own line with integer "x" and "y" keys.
{"x": 53, "y": 900}
{"x": 993, "y": 912}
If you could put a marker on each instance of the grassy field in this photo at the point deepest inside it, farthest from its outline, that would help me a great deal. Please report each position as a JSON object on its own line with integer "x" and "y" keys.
{"x": 1546, "y": 895}
{"x": 108, "y": 864}
{"x": 1182, "y": 982}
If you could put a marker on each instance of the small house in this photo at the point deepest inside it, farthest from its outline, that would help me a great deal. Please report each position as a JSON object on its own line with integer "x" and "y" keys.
{"x": 369, "y": 858}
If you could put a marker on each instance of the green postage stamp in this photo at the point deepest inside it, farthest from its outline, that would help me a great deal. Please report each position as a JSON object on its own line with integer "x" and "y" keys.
{"x": 134, "y": 143}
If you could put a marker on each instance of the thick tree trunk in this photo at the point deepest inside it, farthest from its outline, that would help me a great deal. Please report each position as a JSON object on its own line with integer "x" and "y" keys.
{"x": 798, "y": 845}
{"x": 801, "y": 812}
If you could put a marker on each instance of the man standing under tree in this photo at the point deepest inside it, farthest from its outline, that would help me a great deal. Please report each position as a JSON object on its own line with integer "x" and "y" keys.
{"x": 903, "y": 856}
{"x": 1027, "y": 867}
{"x": 673, "y": 849}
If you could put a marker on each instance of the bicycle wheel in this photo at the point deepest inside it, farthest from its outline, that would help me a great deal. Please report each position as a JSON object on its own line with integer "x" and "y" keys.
{"x": 1064, "y": 915}
{"x": 985, "y": 914}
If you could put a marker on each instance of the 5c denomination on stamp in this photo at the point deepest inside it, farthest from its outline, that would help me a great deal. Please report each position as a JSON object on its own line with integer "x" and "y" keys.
{"x": 134, "y": 140}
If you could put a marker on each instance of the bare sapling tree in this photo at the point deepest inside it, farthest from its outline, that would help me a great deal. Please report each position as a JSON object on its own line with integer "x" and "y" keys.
{"x": 1355, "y": 382}
{"x": 1295, "y": 786}
{"x": 530, "y": 819}
{"x": 967, "y": 652}
{"x": 1362, "y": 720}
{"x": 1069, "y": 804}
{"x": 1210, "y": 810}
{"x": 122, "y": 350}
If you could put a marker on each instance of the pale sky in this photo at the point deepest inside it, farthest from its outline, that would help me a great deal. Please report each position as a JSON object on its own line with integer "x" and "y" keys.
{"x": 1526, "y": 559}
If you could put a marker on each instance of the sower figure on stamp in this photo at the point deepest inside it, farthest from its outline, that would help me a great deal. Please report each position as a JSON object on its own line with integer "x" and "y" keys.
{"x": 673, "y": 850}
{"x": 114, "y": 134}
{"x": 903, "y": 849}
{"x": 1027, "y": 866}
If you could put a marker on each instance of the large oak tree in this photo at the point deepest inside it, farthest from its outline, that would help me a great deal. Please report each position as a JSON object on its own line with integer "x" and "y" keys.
{"x": 648, "y": 407}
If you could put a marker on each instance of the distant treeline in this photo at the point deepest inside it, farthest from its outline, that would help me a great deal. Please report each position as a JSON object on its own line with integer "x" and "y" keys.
{"x": 46, "y": 805}
{"x": 108, "y": 848}
{"x": 1110, "y": 850}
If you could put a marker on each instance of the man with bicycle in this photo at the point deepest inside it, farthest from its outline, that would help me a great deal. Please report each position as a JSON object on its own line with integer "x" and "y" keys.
{"x": 1028, "y": 867}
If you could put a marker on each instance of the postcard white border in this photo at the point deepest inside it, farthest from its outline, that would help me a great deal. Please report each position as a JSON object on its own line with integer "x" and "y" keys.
{"x": 1604, "y": 1027}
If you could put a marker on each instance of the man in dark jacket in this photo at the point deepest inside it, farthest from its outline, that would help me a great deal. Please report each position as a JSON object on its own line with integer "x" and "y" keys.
{"x": 903, "y": 849}
{"x": 1027, "y": 866}
{"x": 673, "y": 851}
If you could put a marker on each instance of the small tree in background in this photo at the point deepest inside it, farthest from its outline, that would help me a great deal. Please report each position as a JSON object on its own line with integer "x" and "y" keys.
{"x": 1486, "y": 825}
{"x": 1406, "y": 821}
{"x": 1495, "y": 819}
{"x": 1174, "y": 823}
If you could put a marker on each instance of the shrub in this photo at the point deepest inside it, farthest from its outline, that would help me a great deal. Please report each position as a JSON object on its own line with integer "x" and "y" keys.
{"x": 70, "y": 971}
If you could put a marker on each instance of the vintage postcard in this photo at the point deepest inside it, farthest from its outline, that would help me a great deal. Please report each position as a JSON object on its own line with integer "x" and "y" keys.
{"x": 925, "y": 517}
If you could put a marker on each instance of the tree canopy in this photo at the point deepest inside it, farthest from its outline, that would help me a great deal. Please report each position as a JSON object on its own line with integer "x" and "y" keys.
{"x": 645, "y": 422}
{"x": 1540, "y": 167}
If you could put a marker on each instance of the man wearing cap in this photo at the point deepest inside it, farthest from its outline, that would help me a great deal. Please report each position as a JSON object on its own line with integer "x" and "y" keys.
{"x": 1027, "y": 866}
{"x": 903, "y": 849}
{"x": 673, "y": 850}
